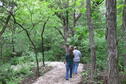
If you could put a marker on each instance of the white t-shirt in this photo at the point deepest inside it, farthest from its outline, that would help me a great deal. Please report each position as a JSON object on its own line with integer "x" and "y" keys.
{"x": 77, "y": 55}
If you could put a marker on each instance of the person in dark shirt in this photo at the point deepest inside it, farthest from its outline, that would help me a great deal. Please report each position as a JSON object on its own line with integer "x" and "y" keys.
{"x": 69, "y": 62}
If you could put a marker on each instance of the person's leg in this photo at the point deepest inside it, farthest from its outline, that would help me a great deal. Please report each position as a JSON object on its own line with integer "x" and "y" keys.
{"x": 71, "y": 70}
{"x": 76, "y": 67}
{"x": 67, "y": 71}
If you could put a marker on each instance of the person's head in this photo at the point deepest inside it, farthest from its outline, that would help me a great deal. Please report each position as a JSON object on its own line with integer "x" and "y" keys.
{"x": 71, "y": 48}
{"x": 75, "y": 47}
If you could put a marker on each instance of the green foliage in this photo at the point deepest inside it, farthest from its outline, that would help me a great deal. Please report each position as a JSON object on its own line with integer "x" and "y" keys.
{"x": 13, "y": 74}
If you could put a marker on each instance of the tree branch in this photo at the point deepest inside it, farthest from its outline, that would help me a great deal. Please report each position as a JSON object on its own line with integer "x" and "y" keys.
{"x": 44, "y": 26}
{"x": 60, "y": 33}
{"x": 5, "y": 26}
{"x": 60, "y": 16}
{"x": 26, "y": 31}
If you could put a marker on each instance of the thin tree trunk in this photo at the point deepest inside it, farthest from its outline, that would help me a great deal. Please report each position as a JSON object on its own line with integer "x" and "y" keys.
{"x": 91, "y": 39}
{"x": 7, "y": 21}
{"x": 1, "y": 51}
{"x": 42, "y": 40}
{"x": 13, "y": 42}
{"x": 5, "y": 26}
{"x": 37, "y": 62}
{"x": 124, "y": 27}
{"x": 60, "y": 32}
{"x": 113, "y": 73}
{"x": 65, "y": 33}
{"x": 124, "y": 16}
{"x": 34, "y": 47}
{"x": 43, "y": 54}
{"x": 74, "y": 18}
{"x": 65, "y": 26}
{"x": 66, "y": 22}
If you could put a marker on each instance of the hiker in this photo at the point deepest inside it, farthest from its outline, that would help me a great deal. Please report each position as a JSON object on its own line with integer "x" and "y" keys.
{"x": 69, "y": 62}
{"x": 77, "y": 55}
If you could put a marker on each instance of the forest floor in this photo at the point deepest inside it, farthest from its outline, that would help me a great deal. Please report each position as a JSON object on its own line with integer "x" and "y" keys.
{"x": 57, "y": 75}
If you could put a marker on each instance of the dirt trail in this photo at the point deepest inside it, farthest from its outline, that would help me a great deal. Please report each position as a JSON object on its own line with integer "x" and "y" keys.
{"x": 57, "y": 74}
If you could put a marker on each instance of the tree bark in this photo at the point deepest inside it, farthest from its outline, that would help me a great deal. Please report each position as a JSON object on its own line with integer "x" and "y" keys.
{"x": 66, "y": 23}
{"x": 91, "y": 38}
{"x": 124, "y": 27}
{"x": 42, "y": 40}
{"x": 124, "y": 16}
{"x": 113, "y": 73}
{"x": 65, "y": 32}
{"x": 60, "y": 32}
{"x": 13, "y": 42}
{"x": 1, "y": 51}
{"x": 74, "y": 18}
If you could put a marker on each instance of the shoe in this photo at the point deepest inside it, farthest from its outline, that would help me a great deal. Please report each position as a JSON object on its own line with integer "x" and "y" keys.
{"x": 75, "y": 73}
{"x": 67, "y": 79}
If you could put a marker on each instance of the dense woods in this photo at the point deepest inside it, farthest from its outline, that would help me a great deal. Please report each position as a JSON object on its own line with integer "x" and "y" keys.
{"x": 33, "y": 32}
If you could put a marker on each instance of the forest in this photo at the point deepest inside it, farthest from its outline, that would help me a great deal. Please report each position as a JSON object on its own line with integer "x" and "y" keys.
{"x": 34, "y": 32}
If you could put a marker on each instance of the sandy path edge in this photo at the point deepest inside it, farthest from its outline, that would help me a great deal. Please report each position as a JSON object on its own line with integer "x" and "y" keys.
{"x": 57, "y": 74}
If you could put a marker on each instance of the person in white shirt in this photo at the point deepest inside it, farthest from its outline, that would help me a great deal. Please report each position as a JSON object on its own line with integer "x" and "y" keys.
{"x": 76, "y": 60}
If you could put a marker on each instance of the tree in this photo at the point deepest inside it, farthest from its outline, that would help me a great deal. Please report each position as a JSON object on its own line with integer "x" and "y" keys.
{"x": 33, "y": 44}
{"x": 36, "y": 17}
{"x": 42, "y": 40}
{"x": 124, "y": 16}
{"x": 113, "y": 73}
{"x": 124, "y": 26}
{"x": 91, "y": 38}
{"x": 66, "y": 12}
{"x": 68, "y": 16}
{"x": 64, "y": 17}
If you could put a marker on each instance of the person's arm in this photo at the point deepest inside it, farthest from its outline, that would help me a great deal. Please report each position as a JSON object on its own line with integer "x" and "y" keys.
{"x": 80, "y": 54}
{"x": 65, "y": 59}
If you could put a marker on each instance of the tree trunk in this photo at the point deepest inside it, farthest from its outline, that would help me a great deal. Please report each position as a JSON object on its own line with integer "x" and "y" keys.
{"x": 113, "y": 73}
{"x": 91, "y": 38}
{"x": 66, "y": 26}
{"x": 66, "y": 22}
{"x": 42, "y": 40}
{"x": 34, "y": 47}
{"x": 65, "y": 33}
{"x": 124, "y": 16}
{"x": 13, "y": 42}
{"x": 43, "y": 55}
{"x": 37, "y": 62}
{"x": 1, "y": 51}
{"x": 124, "y": 27}
{"x": 5, "y": 26}
{"x": 74, "y": 18}
{"x": 31, "y": 41}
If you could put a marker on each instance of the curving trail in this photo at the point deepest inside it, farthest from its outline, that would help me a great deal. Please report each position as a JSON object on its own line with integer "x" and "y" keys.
{"x": 57, "y": 74}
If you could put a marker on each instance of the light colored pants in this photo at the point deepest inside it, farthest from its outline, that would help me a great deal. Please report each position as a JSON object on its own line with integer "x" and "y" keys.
{"x": 75, "y": 67}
